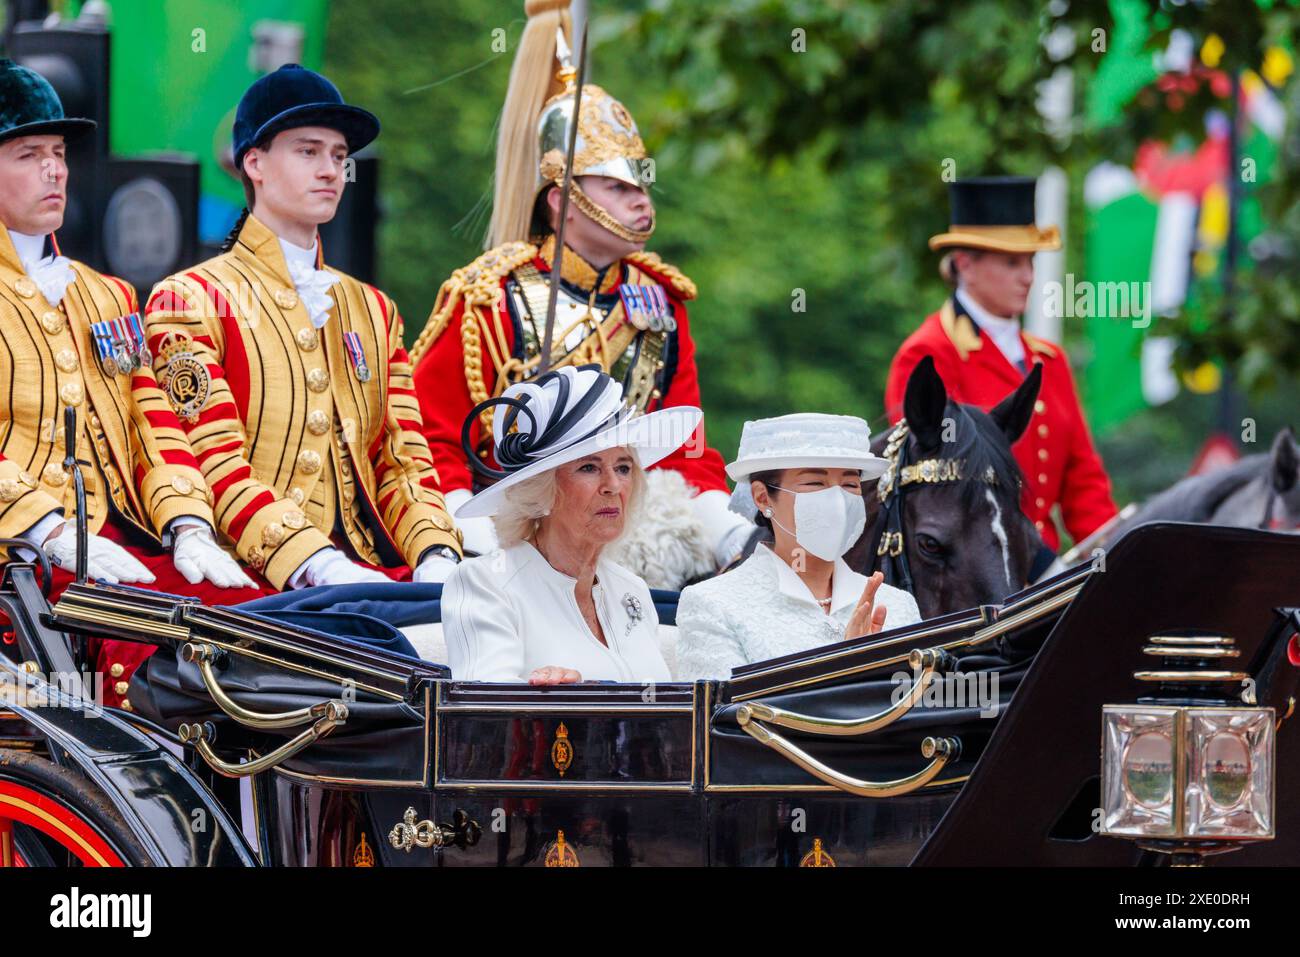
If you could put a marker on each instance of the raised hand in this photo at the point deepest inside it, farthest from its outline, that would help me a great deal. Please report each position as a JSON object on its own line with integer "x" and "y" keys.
{"x": 867, "y": 619}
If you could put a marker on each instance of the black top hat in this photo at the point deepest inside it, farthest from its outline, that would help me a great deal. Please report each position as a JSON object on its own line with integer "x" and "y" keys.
{"x": 997, "y": 213}
{"x": 29, "y": 106}
{"x": 294, "y": 96}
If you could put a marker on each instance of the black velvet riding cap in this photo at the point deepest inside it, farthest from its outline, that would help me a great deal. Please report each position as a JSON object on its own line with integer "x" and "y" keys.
{"x": 294, "y": 96}
{"x": 30, "y": 107}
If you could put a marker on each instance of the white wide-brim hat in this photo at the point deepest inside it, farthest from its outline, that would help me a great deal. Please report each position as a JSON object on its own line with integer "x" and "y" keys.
{"x": 564, "y": 416}
{"x": 801, "y": 440}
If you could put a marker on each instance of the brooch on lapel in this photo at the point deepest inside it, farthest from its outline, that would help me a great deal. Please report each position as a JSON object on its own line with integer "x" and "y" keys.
{"x": 632, "y": 605}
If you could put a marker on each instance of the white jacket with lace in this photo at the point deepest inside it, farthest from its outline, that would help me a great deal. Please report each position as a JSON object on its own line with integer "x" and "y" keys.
{"x": 763, "y": 610}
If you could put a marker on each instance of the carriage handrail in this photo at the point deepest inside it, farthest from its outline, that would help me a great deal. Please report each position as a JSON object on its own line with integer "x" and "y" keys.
{"x": 203, "y": 655}
{"x": 200, "y": 734}
{"x": 940, "y": 751}
{"x": 930, "y": 662}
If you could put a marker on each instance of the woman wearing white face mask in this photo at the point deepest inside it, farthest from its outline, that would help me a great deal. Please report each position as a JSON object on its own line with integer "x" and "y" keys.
{"x": 802, "y": 476}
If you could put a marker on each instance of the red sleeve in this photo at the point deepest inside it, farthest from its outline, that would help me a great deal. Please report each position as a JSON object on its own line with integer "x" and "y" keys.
{"x": 445, "y": 401}
{"x": 698, "y": 463}
{"x": 915, "y": 347}
{"x": 1086, "y": 502}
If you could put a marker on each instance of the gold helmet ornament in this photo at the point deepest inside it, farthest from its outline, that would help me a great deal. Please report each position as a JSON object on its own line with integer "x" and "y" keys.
{"x": 534, "y": 135}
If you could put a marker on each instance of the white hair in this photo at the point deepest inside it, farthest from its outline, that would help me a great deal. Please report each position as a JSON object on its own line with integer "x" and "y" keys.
{"x": 525, "y": 506}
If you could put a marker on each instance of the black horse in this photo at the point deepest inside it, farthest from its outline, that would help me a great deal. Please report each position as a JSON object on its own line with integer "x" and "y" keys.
{"x": 951, "y": 528}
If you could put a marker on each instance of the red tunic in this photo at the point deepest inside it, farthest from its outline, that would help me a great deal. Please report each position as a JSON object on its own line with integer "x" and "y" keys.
{"x": 1056, "y": 453}
{"x": 445, "y": 399}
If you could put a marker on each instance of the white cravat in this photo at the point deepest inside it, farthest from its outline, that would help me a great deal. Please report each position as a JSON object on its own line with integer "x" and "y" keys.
{"x": 52, "y": 274}
{"x": 1005, "y": 333}
{"x": 313, "y": 284}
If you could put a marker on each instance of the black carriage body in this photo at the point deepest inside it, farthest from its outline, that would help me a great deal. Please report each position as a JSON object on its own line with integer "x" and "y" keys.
{"x": 703, "y": 773}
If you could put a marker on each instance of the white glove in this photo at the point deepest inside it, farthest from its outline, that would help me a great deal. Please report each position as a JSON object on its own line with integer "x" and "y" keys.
{"x": 724, "y": 530}
{"x": 434, "y": 569}
{"x": 329, "y": 566}
{"x": 105, "y": 561}
{"x": 480, "y": 534}
{"x": 197, "y": 556}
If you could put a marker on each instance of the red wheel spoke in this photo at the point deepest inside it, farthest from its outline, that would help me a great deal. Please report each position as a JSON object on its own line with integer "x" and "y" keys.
{"x": 22, "y": 805}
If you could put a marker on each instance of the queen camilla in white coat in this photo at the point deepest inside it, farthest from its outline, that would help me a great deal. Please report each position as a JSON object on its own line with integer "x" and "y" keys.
{"x": 802, "y": 476}
{"x": 548, "y": 607}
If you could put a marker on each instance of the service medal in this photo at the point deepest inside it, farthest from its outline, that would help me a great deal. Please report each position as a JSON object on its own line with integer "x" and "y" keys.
{"x": 632, "y": 307}
{"x": 357, "y": 353}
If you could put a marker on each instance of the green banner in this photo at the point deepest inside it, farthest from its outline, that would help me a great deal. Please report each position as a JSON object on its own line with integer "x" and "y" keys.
{"x": 179, "y": 68}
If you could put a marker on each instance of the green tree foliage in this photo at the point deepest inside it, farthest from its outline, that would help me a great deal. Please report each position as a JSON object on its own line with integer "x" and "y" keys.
{"x": 798, "y": 174}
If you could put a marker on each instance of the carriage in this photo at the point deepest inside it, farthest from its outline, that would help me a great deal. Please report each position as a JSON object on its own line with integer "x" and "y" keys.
{"x": 1134, "y": 711}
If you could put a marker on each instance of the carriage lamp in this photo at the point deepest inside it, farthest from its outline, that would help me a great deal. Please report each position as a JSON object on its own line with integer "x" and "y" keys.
{"x": 1188, "y": 771}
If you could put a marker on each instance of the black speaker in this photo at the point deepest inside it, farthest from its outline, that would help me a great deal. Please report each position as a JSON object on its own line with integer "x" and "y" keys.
{"x": 348, "y": 240}
{"x": 74, "y": 59}
{"x": 151, "y": 218}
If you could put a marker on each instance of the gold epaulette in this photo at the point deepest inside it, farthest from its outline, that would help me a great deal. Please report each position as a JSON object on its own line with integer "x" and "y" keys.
{"x": 478, "y": 284}
{"x": 1041, "y": 346}
{"x": 682, "y": 285}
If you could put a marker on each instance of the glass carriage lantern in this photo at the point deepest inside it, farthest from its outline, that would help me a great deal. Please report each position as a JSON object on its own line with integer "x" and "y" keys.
{"x": 1189, "y": 770}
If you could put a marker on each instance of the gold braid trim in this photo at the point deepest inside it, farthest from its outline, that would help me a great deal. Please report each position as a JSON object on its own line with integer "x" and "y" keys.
{"x": 683, "y": 286}
{"x": 478, "y": 284}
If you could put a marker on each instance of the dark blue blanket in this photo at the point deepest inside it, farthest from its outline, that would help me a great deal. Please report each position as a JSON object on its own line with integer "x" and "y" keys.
{"x": 372, "y": 614}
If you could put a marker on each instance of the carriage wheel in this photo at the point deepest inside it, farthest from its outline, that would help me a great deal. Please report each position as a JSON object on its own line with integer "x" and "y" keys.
{"x": 50, "y": 815}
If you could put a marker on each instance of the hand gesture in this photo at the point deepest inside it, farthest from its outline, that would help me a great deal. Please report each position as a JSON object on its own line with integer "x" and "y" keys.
{"x": 867, "y": 619}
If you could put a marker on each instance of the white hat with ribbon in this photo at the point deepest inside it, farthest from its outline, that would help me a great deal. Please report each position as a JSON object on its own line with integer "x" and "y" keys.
{"x": 801, "y": 440}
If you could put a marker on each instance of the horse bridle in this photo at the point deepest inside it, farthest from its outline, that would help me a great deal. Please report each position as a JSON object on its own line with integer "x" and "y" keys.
{"x": 899, "y": 475}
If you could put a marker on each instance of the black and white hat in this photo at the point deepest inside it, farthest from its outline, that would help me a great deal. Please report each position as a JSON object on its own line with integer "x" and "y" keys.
{"x": 562, "y": 416}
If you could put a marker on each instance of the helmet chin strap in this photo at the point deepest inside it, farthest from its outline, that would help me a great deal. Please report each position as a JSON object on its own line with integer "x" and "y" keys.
{"x": 603, "y": 217}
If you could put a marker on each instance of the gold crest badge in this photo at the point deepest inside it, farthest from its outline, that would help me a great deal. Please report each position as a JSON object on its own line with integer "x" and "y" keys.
{"x": 817, "y": 857}
{"x": 185, "y": 378}
{"x": 562, "y": 750}
{"x": 560, "y": 854}
{"x": 363, "y": 856}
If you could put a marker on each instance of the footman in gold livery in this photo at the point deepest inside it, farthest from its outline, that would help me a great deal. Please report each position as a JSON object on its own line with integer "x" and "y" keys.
{"x": 291, "y": 377}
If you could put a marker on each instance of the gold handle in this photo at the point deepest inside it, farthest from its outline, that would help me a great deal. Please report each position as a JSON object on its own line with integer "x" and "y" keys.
{"x": 409, "y": 832}
{"x": 204, "y": 655}
{"x": 939, "y": 751}
{"x": 200, "y": 736}
{"x": 930, "y": 662}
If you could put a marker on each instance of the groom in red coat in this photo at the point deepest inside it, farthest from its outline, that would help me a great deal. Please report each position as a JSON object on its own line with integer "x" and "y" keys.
{"x": 982, "y": 353}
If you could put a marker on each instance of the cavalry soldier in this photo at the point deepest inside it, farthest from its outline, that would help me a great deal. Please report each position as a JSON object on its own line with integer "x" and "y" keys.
{"x": 290, "y": 377}
{"x": 74, "y": 338}
{"x": 618, "y": 306}
{"x": 981, "y": 351}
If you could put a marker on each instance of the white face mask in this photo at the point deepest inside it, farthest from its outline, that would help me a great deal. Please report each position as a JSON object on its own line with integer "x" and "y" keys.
{"x": 827, "y": 522}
